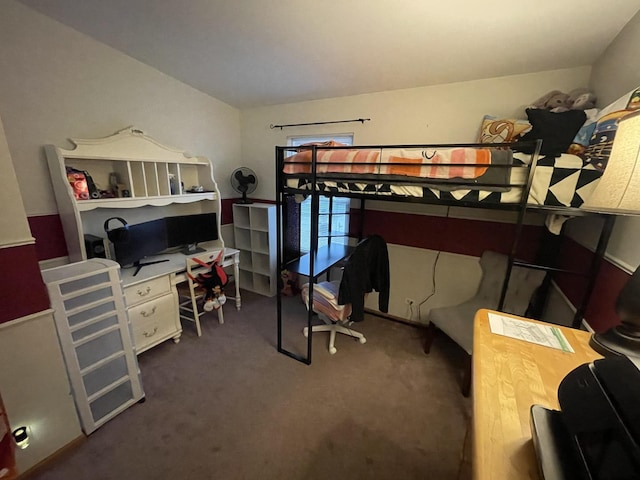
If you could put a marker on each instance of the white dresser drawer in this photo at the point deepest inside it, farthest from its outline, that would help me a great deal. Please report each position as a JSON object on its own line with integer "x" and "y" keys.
{"x": 145, "y": 291}
{"x": 154, "y": 321}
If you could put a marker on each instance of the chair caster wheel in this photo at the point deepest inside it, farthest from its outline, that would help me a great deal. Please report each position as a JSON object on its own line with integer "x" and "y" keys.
{"x": 332, "y": 350}
{"x": 363, "y": 340}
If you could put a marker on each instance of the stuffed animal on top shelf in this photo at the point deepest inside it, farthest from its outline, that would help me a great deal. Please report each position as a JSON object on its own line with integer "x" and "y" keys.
{"x": 553, "y": 101}
{"x": 583, "y": 101}
{"x": 557, "y": 101}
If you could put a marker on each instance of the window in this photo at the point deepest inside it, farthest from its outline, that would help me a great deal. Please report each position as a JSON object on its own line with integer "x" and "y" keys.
{"x": 333, "y": 218}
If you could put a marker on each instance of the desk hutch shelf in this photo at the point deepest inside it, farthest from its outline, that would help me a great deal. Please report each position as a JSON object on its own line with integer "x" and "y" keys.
{"x": 146, "y": 172}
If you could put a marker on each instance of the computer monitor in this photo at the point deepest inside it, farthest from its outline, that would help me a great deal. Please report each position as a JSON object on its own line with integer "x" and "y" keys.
{"x": 136, "y": 242}
{"x": 187, "y": 231}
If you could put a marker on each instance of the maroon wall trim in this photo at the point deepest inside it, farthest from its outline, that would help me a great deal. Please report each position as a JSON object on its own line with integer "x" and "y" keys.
{"x": 22, "y": 291}
{"x": 472, "y": 237}
{"x": 454, "y": 235}
{"x": 50, "y": 242}
{"x": 47, "y": 230}
{"x": 600, "y": 313}
{"x": 227, "y": 207}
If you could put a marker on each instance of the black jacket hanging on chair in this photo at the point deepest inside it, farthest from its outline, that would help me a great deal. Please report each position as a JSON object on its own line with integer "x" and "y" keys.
{"x": 367, "y": 269}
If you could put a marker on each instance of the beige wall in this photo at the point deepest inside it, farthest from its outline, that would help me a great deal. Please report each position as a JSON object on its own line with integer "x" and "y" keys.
{"x": 33, "y": 379}
{"x": 617, "y": 71}
{"x": 14, "y": 229}
{"x": 614, "y": 74}
{"x": 57, "y": 83}
{"x": 35, "y": 388}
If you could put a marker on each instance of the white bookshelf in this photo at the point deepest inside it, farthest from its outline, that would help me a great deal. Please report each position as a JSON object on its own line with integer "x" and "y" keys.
{"x": 254, "y": 227}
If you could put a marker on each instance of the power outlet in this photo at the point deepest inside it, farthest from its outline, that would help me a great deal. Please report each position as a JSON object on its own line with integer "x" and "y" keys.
{"x": 409, "y": 301}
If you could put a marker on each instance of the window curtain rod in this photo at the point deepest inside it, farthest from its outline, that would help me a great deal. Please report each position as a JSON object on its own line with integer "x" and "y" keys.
{"x": 361, "y": 120}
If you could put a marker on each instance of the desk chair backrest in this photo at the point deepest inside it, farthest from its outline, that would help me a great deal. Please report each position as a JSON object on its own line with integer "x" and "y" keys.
{"x": 203, "y": 276}
{"x": 522, "y": 283}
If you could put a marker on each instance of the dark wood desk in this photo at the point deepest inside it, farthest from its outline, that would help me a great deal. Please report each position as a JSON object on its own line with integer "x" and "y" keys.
{"x": 509, "y": 376}
{"x": 325, "y": 258}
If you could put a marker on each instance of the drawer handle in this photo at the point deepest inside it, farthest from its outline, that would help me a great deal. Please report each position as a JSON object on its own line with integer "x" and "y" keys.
{"x": 147, "y": 334}
{"x": 145, "y": 292}
{"x": 145, "y": 314}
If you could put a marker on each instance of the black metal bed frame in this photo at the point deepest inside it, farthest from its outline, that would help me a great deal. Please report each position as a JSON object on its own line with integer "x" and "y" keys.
{"x": 316, "y": 263}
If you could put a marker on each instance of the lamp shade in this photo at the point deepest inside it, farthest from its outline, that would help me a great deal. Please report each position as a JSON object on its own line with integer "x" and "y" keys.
{"x": 619, "y": 186}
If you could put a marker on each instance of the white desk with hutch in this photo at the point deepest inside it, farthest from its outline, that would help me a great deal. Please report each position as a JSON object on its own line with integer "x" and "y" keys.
{"x": 155, "y": 178}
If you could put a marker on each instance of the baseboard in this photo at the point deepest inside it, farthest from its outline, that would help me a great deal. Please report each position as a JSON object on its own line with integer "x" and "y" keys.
{"x": 388, "y": 316}
{"x": 56, "y": 456}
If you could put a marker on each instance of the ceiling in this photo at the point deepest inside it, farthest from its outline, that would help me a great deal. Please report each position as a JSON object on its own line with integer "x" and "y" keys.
{"x": 250, "y": 53}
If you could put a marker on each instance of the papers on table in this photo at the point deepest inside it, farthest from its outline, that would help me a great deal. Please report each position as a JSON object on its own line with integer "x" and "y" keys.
{"x": 545, "y": 335}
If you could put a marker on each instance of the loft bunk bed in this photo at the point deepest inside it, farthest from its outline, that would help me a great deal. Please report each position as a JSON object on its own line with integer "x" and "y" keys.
{"x": 512, "y": 177}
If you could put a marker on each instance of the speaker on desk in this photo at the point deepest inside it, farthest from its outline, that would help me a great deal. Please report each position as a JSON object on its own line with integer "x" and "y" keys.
{"x": 94, "y": 246}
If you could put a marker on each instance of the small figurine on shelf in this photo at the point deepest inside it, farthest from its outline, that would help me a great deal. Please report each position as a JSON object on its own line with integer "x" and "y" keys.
{"x": 213, "y": 283}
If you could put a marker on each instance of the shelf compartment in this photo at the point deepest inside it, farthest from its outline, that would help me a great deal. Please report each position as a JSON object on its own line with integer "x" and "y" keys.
{"x": 88, "y": 298}
{"x": 241, "y": 216}
{"x": 243, "y": 240}
{"x": 261, "y": 263}
{"x": 100, "y": 170}
{"x": 261, "y": 284}
{"x": 105, "y": 375}
{"x": 246, "y": 261}
{"x": 76, "y": 320}
{"x": 94, "y": 327}
{"x": 246, "y": 279}
{"x": 138, "y": 180}
{"x": 83, "y": 283}
{"x": 193, "y": 175}
{"x": 163, "y": 179}
{"x": 94, "y": 350}
{"x": 111, "y": 401}
{"x": 151, "y": 179}
{"x": 260, "y": 242}
{"x": 259, "y": 219}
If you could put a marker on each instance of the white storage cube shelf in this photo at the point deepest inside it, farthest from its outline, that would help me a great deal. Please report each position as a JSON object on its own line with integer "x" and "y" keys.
{"x": 254, "y": 227}
{"x": 95, "y": 337}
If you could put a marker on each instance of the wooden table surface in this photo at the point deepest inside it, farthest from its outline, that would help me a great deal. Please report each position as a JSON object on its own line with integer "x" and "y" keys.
{"x": 509, "y": 376}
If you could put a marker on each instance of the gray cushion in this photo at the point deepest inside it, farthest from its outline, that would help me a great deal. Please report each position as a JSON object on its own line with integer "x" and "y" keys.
{"x": 457, "y": 320}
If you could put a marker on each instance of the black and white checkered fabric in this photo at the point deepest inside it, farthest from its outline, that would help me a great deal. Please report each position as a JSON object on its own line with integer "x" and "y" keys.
{"x": 558, "y": 181}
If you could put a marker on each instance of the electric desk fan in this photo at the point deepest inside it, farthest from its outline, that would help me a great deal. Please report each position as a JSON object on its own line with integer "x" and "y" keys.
{"x": 244, "y": 181}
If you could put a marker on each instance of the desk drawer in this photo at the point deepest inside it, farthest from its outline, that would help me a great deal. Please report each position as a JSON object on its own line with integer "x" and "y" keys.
{"x": 153, "y": 321}
{"x": 145, "y": 291}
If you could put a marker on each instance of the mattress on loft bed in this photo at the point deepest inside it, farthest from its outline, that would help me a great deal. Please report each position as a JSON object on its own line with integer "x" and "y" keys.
{"x": 563, "y": 181}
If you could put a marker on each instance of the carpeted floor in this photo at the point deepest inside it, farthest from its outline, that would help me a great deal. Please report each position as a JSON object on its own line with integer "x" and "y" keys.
{"x": 227, "y": 405}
